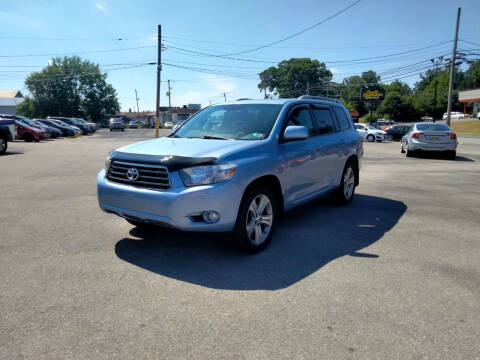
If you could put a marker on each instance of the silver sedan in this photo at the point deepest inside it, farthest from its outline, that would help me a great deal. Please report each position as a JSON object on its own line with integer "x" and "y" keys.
{"x": 429, "y": 136}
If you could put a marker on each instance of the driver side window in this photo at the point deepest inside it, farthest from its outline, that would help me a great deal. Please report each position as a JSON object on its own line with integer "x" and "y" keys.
{"x": 301, "y": 117}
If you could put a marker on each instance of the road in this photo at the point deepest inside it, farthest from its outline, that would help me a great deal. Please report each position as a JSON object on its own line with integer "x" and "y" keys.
{"x": 395, "y": 275}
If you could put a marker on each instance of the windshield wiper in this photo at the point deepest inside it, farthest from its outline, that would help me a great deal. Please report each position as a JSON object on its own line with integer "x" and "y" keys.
{"x": 174, "y": 136}
{"x": 212, "y": 137}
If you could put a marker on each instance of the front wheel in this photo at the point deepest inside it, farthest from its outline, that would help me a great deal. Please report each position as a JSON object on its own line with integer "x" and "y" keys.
{"x": 346, "y": 191}
{"x": 256, "y": 219}
{"x": 3, "y": 145}
{"x": 370, "y": 138}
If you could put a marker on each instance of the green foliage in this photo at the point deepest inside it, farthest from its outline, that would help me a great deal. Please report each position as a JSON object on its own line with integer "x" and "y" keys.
{"x": 295, "y": 77}
{"x": 366, "y": 118}
{"x": 26, "y": 108}
{"x": 71, "y": 87}
{"x": 472, "y": 76}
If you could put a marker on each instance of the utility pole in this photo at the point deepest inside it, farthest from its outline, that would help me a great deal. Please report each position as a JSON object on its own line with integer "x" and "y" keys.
{"x": 169, "y": 93}
{"x": 435, "y": 63}
{"x": 159, "y": 70}
{"x": 136, "y": 98}
{"x": 224, "y": 96}
{"x": 265, "y": 92}
{"x": 452, "y": 68}
{"x": 307, "y": 92}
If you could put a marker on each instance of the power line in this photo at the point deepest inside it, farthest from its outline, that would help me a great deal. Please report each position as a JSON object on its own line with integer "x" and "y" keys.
{"x": 297, "y": 33}
{"x": 78, "y": 52}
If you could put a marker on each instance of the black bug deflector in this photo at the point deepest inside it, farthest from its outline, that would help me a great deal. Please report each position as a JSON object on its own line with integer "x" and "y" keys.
{"x": 171, "y": 162}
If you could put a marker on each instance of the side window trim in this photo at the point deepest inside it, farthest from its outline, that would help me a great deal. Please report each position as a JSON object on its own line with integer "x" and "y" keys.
{"x": 281, "y": 140}
{"x": 332, "y": 115}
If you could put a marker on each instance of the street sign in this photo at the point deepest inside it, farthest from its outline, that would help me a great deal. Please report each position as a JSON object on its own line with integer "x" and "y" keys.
{"x": 373, "y": 94}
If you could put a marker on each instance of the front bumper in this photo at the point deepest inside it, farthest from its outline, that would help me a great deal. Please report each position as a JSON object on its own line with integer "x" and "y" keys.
{"x": 177, "y": 207}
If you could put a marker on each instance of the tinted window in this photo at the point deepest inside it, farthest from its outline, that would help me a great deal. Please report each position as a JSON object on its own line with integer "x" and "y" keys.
{"x": 323, "y": 121}
{"x": 343, "y": 120}
{"x": 433, "y": 127}
{"x": 301, "y": 117}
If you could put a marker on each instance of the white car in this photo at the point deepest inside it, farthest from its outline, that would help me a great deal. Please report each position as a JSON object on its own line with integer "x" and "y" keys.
{"x": 430, "y": 137}
{"x": 168, "y": 125}
{"x": 455, "y": 115}
{"x": 370, "y": 133}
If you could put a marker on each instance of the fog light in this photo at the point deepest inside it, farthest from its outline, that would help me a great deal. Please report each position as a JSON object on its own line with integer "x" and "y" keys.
{"x": 210, "y": 216}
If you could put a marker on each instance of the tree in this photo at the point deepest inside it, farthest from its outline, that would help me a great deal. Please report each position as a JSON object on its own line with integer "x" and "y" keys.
{"x": 472, "y": 76}
{"x": 295, "y": 77}
{"x": 71, "y": 87}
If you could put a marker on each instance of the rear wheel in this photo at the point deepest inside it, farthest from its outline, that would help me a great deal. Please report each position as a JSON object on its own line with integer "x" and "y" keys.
{"x": 370, "y": 138}
{"x": 452, "y": 155}
{"x": 3, "y": 145}
{"x": 346, "y": 191}
{"x": 409, "y": 153}
{"x": 256, "y": 219}
{"x": 28, "y": 138}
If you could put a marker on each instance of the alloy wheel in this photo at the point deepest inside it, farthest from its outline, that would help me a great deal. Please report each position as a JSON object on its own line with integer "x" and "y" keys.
{"x": 348, "y": 183}
{"x": 259, "y": 219}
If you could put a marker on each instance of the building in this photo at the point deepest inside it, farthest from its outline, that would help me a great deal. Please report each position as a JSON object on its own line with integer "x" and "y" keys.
{"x": 9, "y": 99}
{"x": 470, "y": 97}
{"x": 173, "y": 114}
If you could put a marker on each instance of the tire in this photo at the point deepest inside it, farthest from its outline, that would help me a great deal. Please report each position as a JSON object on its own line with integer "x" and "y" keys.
{"x": 123, "y": 129}
{"x": 402, "y": 151}
{"x": 345, "y": 193}
{"x": 253, "y": 230}
{"x": 110, "y": 129}
{"x": 3, "y": 146}
{"x": 409, "y": 153}
{"x": 28, "y": 138}
{"x": 452, "y": 155}
{"x": 36, "y": 140}
{"x": 370, "y": 138}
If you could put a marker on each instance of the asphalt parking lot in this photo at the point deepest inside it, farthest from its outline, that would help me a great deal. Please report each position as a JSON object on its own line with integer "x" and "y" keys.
{"x": 395, "y": 275}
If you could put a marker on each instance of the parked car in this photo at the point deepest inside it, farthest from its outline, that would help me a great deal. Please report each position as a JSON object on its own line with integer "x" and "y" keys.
{"x": 93, "y": 126}
{"x": 29, "y": 133}
{"x": 77, "y": 131}
{"x": 455, "y": 115}
{"x": 7, "y": 133}
{"x": 116, "y": 124}
{"x": 133, "y": 124}
{"x": 54, "y": 133}
{"x": 66, "y": 130}
{"x": 168, "y": 125}
{"x": 397, "y": 131}
{"x": 478, "y": 115}
{"x": 266, "y": 156}
{"x": 72, "y": 122}
{"x": 430, "y": 137}
{"x": 370, "y": 133}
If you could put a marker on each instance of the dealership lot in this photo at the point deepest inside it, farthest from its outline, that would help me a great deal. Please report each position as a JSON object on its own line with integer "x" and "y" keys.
{"x": 394, "y": 275}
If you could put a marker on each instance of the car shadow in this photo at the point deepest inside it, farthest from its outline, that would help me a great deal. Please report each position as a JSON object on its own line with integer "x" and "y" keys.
{"x": 307, "y": 239}
{"x": 440, "y": 155}
{"x": 8, "y": 153}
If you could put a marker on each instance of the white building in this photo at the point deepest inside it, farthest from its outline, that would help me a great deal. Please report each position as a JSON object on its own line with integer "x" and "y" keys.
{"x": 9, "y": 99}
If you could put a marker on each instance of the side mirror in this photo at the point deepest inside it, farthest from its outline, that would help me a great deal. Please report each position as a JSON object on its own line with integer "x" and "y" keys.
{"x": 293, "y": 133}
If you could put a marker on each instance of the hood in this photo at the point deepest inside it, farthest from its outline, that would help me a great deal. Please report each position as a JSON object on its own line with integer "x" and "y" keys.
{"x": 186, "y": 147}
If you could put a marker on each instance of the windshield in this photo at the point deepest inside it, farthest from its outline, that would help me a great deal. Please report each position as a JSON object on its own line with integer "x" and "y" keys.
{"x": 26, "y": 121}
{"x": 22, "y": 123}
{"x": 373, "y": 127}
{"x": 433, "y": 127}
{"x": 239, "y": 122}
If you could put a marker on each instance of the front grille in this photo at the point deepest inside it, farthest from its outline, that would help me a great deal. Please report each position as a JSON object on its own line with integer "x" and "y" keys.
{"x": 149, "y": 176}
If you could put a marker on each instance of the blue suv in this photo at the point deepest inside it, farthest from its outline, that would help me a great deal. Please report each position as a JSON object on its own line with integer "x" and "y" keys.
{"x": 236, "y": 167}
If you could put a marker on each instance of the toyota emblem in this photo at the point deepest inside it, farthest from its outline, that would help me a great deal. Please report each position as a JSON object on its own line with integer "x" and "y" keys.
{"x": 132, "y": 174}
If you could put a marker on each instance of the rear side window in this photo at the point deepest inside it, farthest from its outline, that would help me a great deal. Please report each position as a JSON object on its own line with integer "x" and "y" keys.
{"x": 343, "y": 120}
{"x": 301, "y": 116}
{"x": 323, "y": 121}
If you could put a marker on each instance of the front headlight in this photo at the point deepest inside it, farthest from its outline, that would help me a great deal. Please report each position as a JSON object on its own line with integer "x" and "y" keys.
{"x": 108, "y": 161}
{"x": 204, "y": 175}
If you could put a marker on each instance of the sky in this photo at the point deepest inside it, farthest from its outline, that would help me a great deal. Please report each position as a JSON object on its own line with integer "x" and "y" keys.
{"x": 120, "y": 35}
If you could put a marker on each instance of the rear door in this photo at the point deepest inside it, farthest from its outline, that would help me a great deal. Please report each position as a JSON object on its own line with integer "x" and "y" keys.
{"x": 328, "y": 143}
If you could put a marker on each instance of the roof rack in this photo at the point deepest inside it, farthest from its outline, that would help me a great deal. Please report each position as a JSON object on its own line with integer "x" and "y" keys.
{"x": 324, "y": 98}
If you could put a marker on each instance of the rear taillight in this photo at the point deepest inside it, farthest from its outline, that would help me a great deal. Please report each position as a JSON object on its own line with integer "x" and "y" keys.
{"x": 416, "y": 135}
{"x": 452, "y": 136}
